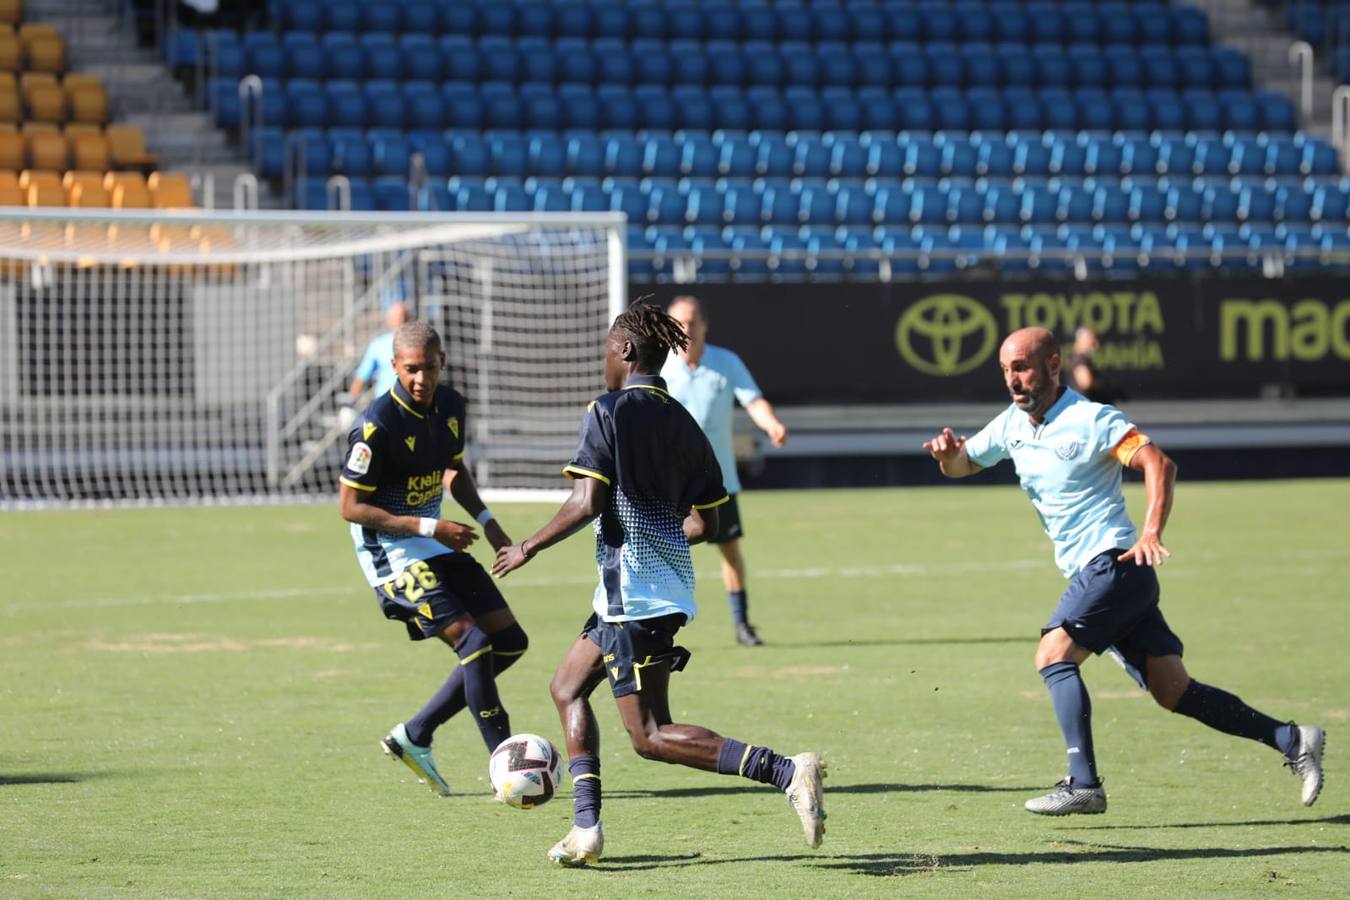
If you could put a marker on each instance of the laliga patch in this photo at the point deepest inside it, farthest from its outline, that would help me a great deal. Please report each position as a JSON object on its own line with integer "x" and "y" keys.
{"x": 359, "y": 461}
{"x": 1068, "y": 449}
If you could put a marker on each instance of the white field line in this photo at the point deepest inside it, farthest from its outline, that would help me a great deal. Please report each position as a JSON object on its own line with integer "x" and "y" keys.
{"x": 1295, "y": 560}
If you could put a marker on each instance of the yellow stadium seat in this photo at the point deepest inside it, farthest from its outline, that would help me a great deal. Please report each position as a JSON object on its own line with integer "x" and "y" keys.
{"x": 8, "y": 82}
{"x": 46, "y": 195}
{"x": 30, "y": 80}
{"x": 45, "y": 55}
{"x": 11, "y": 54}
{"x": 11, "y": 12}
{"x": 11, "y": 151}
{"x": 128, "y": 195}
{"x": 90, "y": 196}
{"x": 47, "y": 150}
{"x": 11, "y": 107}
{"x": 127, "y": 145}
{"x": 91, "y": 152}
{"x": 73, "y": 177}
{"x": 10, "y": 195}
{"x": 88, "y": 105}
{"x": 170, "y": 190}
{"x": 31, "y": 31}
{"x": 113, "y": 179}
{"x": 30, "y": 177}
{"x": 73, "y": 130}
{"x": 46, "y": 103}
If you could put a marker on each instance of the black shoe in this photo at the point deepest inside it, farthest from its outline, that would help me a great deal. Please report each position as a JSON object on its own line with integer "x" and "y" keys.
{"x": 745, "y": 634}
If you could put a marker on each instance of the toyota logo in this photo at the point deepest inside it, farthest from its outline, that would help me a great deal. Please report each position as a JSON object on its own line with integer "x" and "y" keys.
{"x": 946, "y": 334}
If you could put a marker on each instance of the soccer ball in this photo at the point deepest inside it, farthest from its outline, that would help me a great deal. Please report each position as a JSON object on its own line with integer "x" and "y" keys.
{"x": 525, "y": 771}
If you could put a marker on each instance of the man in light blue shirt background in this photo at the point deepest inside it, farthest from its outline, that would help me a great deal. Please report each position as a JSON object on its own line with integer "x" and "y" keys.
{"x": 1069, "y": 452}
{"x": 708, "y": 380}
{"x": 377, "y": 366}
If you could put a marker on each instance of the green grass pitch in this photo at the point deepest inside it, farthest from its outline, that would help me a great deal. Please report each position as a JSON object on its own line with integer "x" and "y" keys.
{"x": 192, "y": 699}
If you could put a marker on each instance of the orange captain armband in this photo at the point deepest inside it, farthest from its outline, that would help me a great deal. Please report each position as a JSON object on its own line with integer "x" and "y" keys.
{"x": 1129, "y": 445}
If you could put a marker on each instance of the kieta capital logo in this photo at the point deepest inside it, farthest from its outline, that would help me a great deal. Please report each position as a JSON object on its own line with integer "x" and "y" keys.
{"x": 946, "y": 334}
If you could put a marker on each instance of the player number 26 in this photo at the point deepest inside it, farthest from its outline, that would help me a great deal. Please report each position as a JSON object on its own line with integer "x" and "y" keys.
{"x": 416, "y": 580}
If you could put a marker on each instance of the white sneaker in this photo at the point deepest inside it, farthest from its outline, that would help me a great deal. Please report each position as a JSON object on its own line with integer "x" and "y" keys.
{"x": 397, "y": 745}
{"x": 806, "y": 795}
{"x": 1306, "y": 761}
{"x": 1066, "y": 800}
{"x": 581, "y": 846}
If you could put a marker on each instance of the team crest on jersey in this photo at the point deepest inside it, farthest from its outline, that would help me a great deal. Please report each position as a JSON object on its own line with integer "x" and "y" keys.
{"x": 359, "y": 461}
{"x": 454, "y": 425}
{"x": 367, "y": 429}
{"x": 1067, "y": 450}
{"x": 411, "y": 442}
{"x": 1015, "y": 443}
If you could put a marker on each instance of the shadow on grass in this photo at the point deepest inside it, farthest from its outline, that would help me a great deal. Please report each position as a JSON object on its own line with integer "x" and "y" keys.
{"x": 49, "y": 778}
{"x": 830, "y": 790}
{"x": 888, "y": 864}
{"x": 1343, "y": 819}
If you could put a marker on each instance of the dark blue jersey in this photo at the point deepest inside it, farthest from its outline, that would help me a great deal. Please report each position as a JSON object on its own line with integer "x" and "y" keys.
{"x": 658, "y": 464}
{"x": 398, "y": 454}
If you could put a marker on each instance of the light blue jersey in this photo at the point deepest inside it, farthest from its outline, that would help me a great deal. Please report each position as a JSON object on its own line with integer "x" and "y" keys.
{"x": 707, "y": 392}
{"x": 378, "y": 363}
{"x": 1070, "y": 467}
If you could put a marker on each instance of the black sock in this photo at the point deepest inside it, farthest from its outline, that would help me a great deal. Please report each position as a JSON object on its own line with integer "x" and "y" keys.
{"x": 585, "y": 771}
{"x": 1225, "y": 712}
{"x": 508, "y": 645}
{"x": 480, "y": 687}
{"x": 756, "y": 763}
{"x": 739, "y": 604}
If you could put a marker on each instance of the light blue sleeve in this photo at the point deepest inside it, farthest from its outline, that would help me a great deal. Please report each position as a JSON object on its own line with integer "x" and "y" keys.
{"x": 987, "y": 447}
{"x": 1109, "y": 429}
{"x": 370, "y": 363}
{"x": 742, "y": 382}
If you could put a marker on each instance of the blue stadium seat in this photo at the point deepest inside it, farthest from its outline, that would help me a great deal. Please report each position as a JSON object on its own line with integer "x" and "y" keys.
{"x": 1329, "y": 204}
{"x": 352, "y": 157}
{"x": 742, "y": 206}
{"x": 1136, "y": 156}
{"x": 499, "y": 59}
{"x": 391, "y": 194}
{"x": 343, "y": 15}
{"x": 1147, "y": 203}
{"x": 264, "y": 55}
{"x": 1292, "y": 203}
{"x": 1110, "y": 203}
{"x": 1283, "y": 156}
{"x": 1184, "y": 204}
{"x": 383, "y": 57}
{"x": 460, "y": 59}
{"x": 1220, "y": 204}
{"x": 816, "y": 205}
{"x": 342, "y": 56}
{"x": 1075, "y": 204}
{"x": 501, "y": 106}
{"x": 1319, "y": 158}
{"x": 303, "y": 15}
{"x": 384, "y": 105}
{"x": 994, "y": 157}
{"x": 390, "y": 155}
{"x": 853, "y": 206}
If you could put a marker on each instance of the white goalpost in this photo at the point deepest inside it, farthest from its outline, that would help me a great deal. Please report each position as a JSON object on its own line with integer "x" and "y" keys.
{"x": 196, "y": 357}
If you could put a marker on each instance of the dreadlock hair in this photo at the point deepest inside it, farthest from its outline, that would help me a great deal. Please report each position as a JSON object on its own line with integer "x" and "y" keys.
{"x": 417, "y": 335}
{"x": 651, "y": 331}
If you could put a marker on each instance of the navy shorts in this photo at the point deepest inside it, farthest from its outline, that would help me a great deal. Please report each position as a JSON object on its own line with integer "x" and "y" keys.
{"x": 1112, "y": 606}
{"x": 629, "y": 647}
{"x": 728, "y": 522}
{"x": 430, "y": 594}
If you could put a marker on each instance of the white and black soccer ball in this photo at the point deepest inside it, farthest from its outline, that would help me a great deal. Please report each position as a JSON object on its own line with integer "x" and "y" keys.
{"x": 525, "y": 771}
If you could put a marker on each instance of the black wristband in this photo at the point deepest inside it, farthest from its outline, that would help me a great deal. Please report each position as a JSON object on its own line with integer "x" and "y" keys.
{"x": 524, "y": 551}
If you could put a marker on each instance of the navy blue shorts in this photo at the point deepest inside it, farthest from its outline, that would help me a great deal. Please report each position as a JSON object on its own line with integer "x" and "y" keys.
{"x": 1112, "y": 606}
{"x": 430, "y": 594}
{"x": 629, "y": 647}
{"x": 728, "y": 522}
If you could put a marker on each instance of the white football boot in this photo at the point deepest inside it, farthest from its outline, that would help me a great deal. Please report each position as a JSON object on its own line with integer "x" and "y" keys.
{"x": 1306, "y": 761}
{"x": 581, "y": 846}
{"x": 397, "y": 745}
{"x": 806, "y": 795}
{"x": 1067, "y": 799}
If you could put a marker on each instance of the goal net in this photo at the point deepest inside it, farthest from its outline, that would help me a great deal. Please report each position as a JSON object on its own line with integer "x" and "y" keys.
{"x": 203, "y": 357}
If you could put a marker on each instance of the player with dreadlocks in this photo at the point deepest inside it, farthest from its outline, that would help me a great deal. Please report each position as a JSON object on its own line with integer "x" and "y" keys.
{"x": 645, "y": 469}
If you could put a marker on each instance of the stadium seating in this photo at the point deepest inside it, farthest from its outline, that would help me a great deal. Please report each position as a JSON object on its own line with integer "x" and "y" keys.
{"x": 840, "y": 138}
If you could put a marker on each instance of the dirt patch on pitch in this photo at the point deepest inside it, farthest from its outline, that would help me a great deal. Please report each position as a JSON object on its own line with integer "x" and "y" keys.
{"x": 196, "y": 643}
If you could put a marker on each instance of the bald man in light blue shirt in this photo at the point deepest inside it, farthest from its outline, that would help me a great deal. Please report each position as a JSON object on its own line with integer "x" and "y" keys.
{"x": 708, "y": 381}
{"x": 1069, "y": 453}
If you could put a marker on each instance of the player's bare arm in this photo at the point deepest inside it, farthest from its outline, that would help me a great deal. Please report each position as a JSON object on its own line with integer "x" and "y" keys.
{"x": 1160, "y": 475}
{"x": 762, "y": 414}
{"x": 700, "y": 524}
{"x": 950, "y": 453}
{"x": 461, "y": 485}
{"x": 356, "y": 507}
{"x": 587, "y": 500}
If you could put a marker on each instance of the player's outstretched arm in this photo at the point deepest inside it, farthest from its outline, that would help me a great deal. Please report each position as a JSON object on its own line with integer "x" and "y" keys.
{"x": 950, "y": 453}
{"x": 459, "y": 482}
{"x": 762, "y": 414}
{"x": 589, "y": 497}
{"x": 1160, "y": 476}
{"x": 355, "y": 507}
